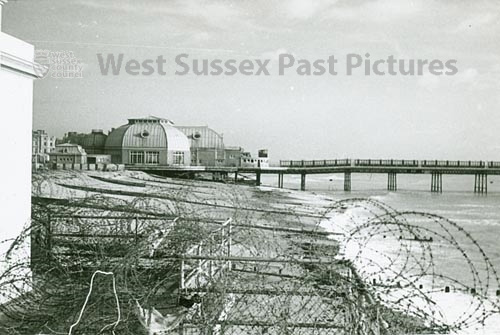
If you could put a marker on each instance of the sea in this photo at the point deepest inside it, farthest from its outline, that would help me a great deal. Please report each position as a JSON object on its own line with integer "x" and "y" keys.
{"x": 477, "y": 214}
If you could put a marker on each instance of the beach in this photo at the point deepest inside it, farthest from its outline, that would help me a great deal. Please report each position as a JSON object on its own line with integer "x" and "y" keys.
{"x": 374, "y": 251}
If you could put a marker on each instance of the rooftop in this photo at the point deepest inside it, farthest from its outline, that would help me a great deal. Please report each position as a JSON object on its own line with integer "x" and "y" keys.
{"x": 150, "y": 119}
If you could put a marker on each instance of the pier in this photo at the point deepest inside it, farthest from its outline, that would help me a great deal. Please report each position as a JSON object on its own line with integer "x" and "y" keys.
{"x": 392, "y": 167}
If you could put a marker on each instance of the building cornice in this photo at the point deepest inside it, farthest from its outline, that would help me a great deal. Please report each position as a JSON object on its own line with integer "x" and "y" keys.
{"x": 19, "y": 65}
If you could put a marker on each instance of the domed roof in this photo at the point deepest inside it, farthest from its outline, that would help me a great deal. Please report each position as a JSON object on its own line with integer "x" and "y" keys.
{"x": 96, "y": 139}
{"x": 150, "y": 132}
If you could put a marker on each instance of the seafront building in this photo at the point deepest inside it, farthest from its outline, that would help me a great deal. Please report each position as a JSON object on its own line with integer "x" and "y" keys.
{"x": 206, "y": 145}
{"x": 93, "y": 143}
{"x": 233, "y": 156}
{"x": 148, "y": 141}
{"x": 262, "y": 159}
{"x": 42, "y": 145}
{"x": 157, "y": 141}
{"x": 68, "y": 153}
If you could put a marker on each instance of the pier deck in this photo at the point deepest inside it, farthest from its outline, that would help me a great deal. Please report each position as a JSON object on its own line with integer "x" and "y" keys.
{"x": 392, "y": 167}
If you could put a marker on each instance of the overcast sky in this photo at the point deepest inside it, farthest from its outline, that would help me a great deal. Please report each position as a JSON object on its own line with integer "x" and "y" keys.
{"x": 445, "y": 117}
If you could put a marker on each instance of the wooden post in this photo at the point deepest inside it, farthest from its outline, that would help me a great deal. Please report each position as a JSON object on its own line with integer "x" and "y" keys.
{"x": 222, "y": 235}
{"x": 392, "y": 184}
{"x": 182, "y": 274}
{"x": 280, "y": 180}
{"x": 347, "y": 181}
{"x": 303, "y": 182}
{"x": 200, "y": 266}
{"x": 211, "y": 262}
{"x": 437, "y": 182}
{"x": 48, "y": 240}
{"x": 481, "y": 183}
{"x": 257, "y": 178}
{"x": 136, "y": 237}
{"x": 229, "y": 241}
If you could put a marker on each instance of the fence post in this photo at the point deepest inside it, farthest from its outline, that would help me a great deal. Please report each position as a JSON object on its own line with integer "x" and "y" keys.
{"x": 48, "y": 240}
{"x": 211, "y": 262}
{"x": 136, "y": 230}
{"x": 229, "y": 241}
{"x": 182, "y": 273}
{"x": 200, "y": 266}
{"x": 222, "y": 236}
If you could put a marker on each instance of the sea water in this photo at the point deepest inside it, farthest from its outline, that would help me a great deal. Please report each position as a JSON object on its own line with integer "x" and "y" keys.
{"x": 477, "y": 214}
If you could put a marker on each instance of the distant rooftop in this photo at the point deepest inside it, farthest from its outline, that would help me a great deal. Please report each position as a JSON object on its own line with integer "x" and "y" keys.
{"x": 150, "y": 119}
{"x": 67, "y": 145}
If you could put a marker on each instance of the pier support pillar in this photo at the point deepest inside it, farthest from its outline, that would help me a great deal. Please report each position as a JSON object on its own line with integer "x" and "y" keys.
{"x": 280, "y": 180}
{"x": 303, "y": 182}
{"x": 236, "y": 177}
{"x": 437, "y": 182}
{"x": 347, "y": 181}
{"x": 257, "y": 178}
{"x": 392, "y": 182}
{"x": 481, "y": 183}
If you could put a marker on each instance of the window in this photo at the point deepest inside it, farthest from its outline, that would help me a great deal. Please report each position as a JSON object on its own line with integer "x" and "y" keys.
{"x": 136, "y": 157}
{"x": 178, "y": 158}
{"x": 152, "y": 157}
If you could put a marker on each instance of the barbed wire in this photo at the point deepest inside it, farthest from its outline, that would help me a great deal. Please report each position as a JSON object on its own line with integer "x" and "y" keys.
{"x": 354, "y": 266}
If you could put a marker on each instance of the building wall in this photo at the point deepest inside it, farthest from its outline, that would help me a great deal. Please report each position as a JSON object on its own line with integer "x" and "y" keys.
{"x": 98, "y": 159}
{"x": 16, "y": 104}
{"x": 207, "y": 157}
{"x": 116, "y": 155}
{"x": 207, "y": 146}
{"x": 185, "y": 154}
{"x": 42, "y": 145}
{"x": 232, "y": 156}
{"x": 125, "y": 155}
{"x": 68, "y": 154}
{"x": 68, "y": 159}
{"x": 254, "y": 162}
{"x": 16, "y": 101}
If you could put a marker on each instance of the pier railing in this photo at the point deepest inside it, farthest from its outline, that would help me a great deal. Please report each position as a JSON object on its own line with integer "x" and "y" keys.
{"x": 388, "y": 163}
{"x": 319, "y": 163}
{"x": 385, "y": 162}
{"x": 441, "y": 163}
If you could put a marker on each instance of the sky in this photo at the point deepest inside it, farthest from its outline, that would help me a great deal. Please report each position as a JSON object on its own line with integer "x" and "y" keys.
{"x": 295, "y": 117}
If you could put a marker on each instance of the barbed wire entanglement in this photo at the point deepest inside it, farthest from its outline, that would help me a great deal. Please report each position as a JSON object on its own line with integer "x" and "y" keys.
{"x": 131, "y": 253}
{"x": 419, "y": 263}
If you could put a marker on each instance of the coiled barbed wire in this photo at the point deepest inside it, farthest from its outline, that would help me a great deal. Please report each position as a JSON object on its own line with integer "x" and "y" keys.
{"x": 355, "y": 266}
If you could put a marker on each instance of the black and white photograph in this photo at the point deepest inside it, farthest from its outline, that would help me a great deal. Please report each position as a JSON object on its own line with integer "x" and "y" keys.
{"x": 238, "y": 167}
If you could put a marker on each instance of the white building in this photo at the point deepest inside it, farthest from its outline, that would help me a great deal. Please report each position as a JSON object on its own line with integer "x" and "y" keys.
{"x": 42, "y": 145}
{"x": 262, "y": 159}
{"x": 148, "y": 141}
{"x": 68, "y": 153}
{"x": 17, "y": 71}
